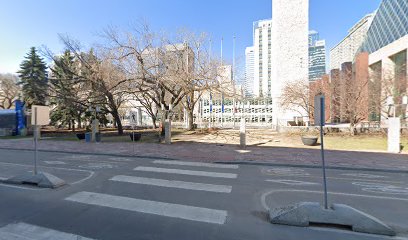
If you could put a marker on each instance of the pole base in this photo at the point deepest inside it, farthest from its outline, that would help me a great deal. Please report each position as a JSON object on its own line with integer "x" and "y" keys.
{"x": 305, "y": 213}
{"x": 43, "y": 180}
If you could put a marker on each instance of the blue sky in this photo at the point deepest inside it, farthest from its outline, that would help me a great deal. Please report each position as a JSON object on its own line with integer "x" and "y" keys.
{"x": 26, "y": 23}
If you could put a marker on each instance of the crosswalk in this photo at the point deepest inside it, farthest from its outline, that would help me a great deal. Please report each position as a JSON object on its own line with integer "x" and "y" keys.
{"x": 162, "y": 171}
{"x": 152, "y": 207}
{"x": 24, "y": 231}
{"x": 197, "y": 164}
{"x": 187, "y": 172}
{"x": 174, "y": 184}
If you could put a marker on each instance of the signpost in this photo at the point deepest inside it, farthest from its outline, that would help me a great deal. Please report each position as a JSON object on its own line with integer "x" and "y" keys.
{"x": 320, "y": 120}
{"x": 40, "y": 115}
{"x": 133, "y": 122}
{"x": 322, "y": 123}
{"x": 304, "y": 213}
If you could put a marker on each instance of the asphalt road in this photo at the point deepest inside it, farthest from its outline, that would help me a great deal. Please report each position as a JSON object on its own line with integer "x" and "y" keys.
{"x": 111, "y": 197}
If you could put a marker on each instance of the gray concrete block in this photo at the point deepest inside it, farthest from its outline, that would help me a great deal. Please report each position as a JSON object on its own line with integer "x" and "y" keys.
{"x": 43, "y": 180}
{"x": 304, "y": 213}
{"x": 167, "y": 130}
{"x": 242, "y": 134}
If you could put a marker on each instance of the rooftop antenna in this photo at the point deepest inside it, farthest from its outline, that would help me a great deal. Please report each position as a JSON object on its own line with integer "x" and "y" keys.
{"x": 210, "y": 51}
{"x": 222, "y": 40}
{"x": 233, "y": 60}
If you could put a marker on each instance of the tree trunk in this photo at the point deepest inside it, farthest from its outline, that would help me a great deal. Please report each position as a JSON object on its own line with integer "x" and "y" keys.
{"x": 163, "y": 121}
{"x": 190, "y": 125}
{"x": 154, "y": 123}
{"x": 73, "y": 125}
{"x": 118, "y": 121}
{"x": 79, "y": 121}
{"x": 353, "y": 129}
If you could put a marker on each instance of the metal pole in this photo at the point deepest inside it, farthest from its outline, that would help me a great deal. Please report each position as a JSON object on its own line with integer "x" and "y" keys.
{"x": 233, "y": 75}
{"x": 133, "y": 138}
{"x": 222, "y": 110}
{"x": 35, "y": 140}
{"x": 222, "y": 40}
{"x": 322, "y": 120}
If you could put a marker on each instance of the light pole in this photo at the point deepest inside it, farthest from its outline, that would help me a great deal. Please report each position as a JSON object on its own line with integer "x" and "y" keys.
{"x": 233, "y": 76}
{"x": 242, "y": 129}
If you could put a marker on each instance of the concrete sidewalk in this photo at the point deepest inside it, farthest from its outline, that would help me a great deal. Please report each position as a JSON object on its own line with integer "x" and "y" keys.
{"x": 203, "y": 152}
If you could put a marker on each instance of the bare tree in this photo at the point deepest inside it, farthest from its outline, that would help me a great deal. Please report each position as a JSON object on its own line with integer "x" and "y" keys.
{"x": 146, "y": 66}
{"x": 295, "y": 97}
{"x": 101, "y": 78}
{"x": 193, "y": 70}
{"x": 9, "y": 90}
{"x": 165, "y": 72}
{"x": 350, "y": 95}
{"x": 146, "y": 100}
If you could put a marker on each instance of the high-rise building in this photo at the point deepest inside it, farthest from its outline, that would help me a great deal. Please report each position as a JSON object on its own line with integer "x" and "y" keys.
{"x": 313, "y": 37}
{"x": 387, "y": 44}
{"x": 390, "y": 23}
{"x": 317, "y": 56}
{"x": 346, "y": 50}
{"x": 289, "y": 52}
{"x": 249, "y": 71}
{"x": 262, "y": 58}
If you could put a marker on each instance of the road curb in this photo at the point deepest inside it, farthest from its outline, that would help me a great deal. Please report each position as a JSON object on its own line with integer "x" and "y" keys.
{"x": 91, "y": 153}
{"x": 255, "y": 163}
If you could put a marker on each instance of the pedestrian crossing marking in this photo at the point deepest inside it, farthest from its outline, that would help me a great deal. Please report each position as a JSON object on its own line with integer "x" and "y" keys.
{"x": 174, "y": 184}
{"x": 187, "y": 172}
{"x": 24, "y": 231}
{"x": 197, "y": 164}
{"x": 151, "y": 207}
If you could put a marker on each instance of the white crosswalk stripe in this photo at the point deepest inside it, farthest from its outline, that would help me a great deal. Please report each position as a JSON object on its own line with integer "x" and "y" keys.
{"x": 151, "y": 207}
{"x": 187, "y": 172}
{"x": 197, "y": 164}
{"x": 165, "y": 209}
{"x": 173, "y": 184}
{"x": 24, "y": 231}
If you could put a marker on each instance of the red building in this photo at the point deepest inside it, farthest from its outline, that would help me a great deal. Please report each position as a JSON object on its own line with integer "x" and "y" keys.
{"x": 346, "y": 92}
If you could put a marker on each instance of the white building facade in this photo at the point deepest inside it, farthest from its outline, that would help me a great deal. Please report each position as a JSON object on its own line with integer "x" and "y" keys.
{"x": 289, "y": 52}
{"x": 262, "y": 58}
{"x": 346, "y": 50}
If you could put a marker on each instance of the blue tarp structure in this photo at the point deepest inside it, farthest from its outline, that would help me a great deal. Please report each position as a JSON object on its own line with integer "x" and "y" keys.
{"x": 13, "y": 119}
{"x": 21, "y": 121}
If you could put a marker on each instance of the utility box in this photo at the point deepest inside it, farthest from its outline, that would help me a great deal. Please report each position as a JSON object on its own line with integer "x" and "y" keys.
{"x": 88, "y": 137}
